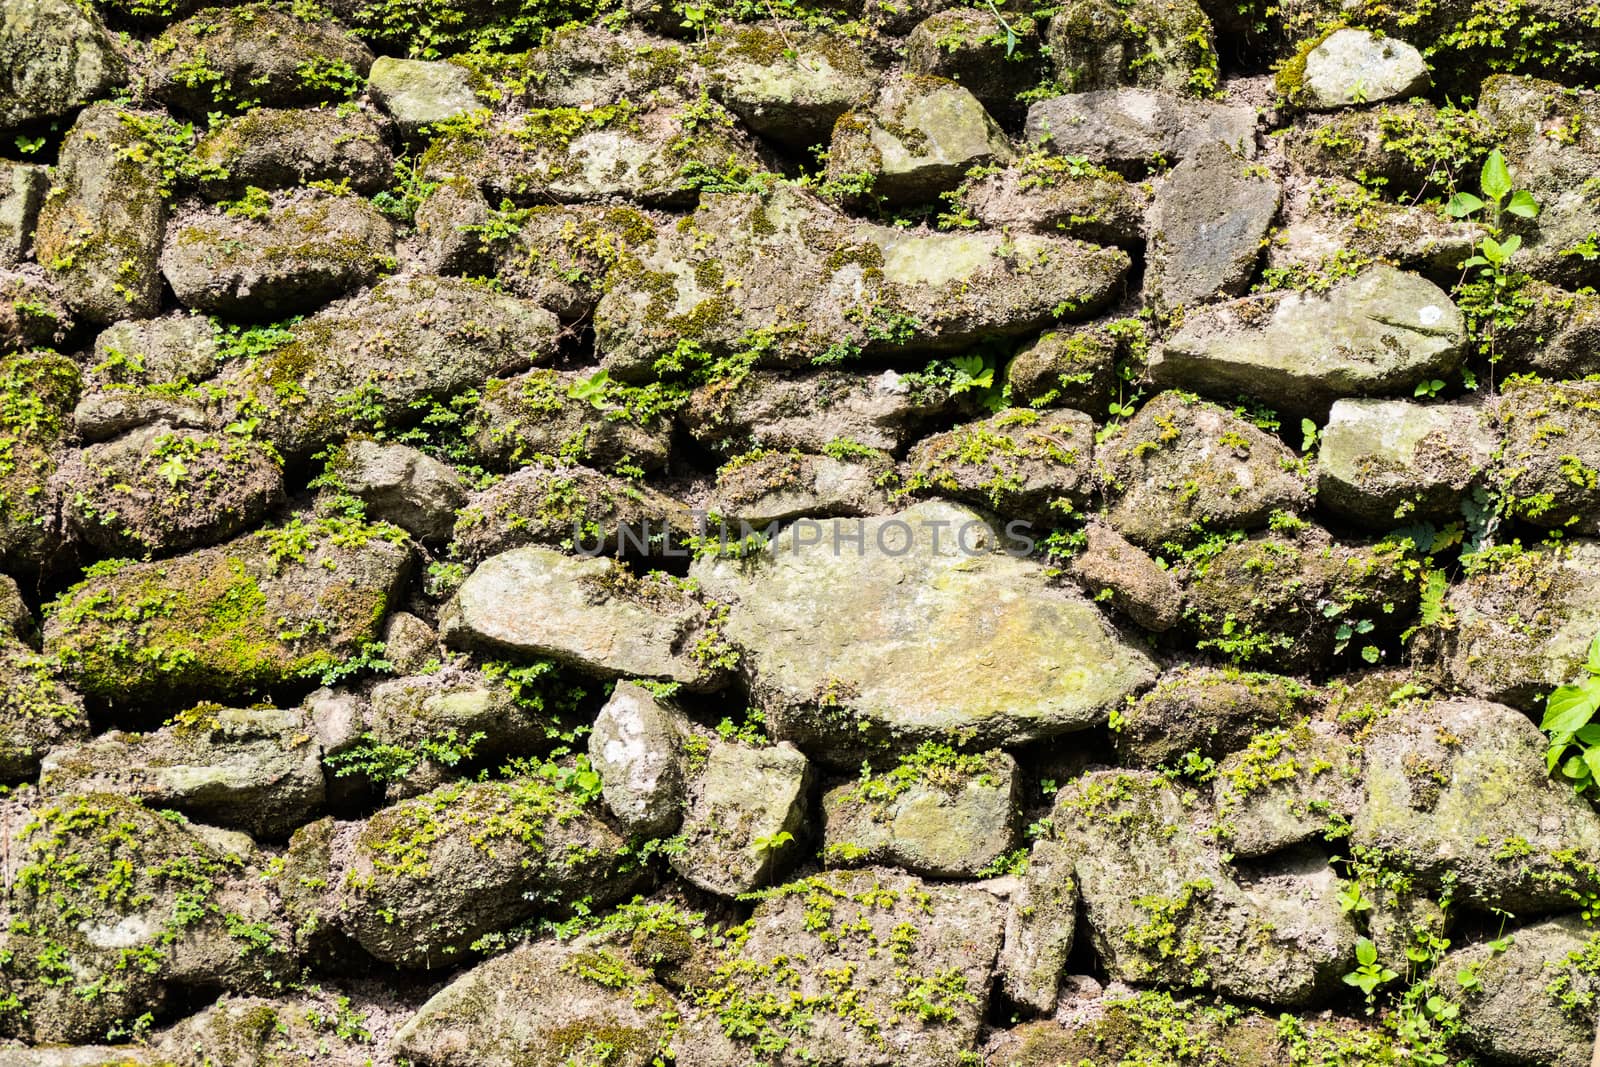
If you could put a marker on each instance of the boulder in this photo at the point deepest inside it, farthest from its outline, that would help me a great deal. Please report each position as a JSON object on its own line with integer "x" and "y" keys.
{"x": 22, "y": 192}
{"x": 1394, "y": 329}
{"x": 285, "y": 1030}
{"x": 1291, "y": 784}
{"x": 998, "y": 655}
{"x": 1558, "y": 337}
{"x": 994, "y": 59}
{"x": 37, "y": 711}
{"x": 744, "y": 814}
{"x": 1387, "y": 462}
{"x": 1129, "y": 129}
{"x": 32, "y": 313}
{"x": 417, "y": 93}
{"x": 1548, "y": 467}
{"x": 293, "y": 253}
{"x": 1350, "y": 67}
{"x": 1210, "y": 711}
{"x": 1378, "y": 144}
{"x": 549, "y": 415}
{"x": 275, "y": 606}
{"x": 1074, "y": 367}
{"x": 1208, "y": 223}
{"x": 276, "y": 148}
{"x": 1018, "y": 463}
{"x": 590, "y": 66}
{"x": 589, "y": 613}
{"x": 57, "y": 57}
{"x": 1053, "y": 194}
{"x": 636, "y": 747}
{"x": 1112, "y": 568}
{"x": 766, "y": 487}
{"x": 561, "y": 255}
{"x": 787, "y": 86}
{"x": 1166, "y": 45}
{"x": 401, "y": 485}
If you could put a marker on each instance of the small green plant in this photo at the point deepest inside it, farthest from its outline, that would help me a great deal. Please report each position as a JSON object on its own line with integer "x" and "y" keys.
{"x": 1569, "y": 713}
{"x": 1369, "y": 973}
{"x": 1489, "y": 300}
{"x": 1429, "y": 388}
{"x": 28, "y": 145}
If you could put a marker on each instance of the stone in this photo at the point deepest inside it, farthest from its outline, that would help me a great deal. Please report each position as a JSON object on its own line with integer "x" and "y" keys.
{"x": 100, "y": 230}
{"x": 998, "y": 656}
{"x": 776, "y": 486}
{"x": 253, "y": 55}
{"x": 1457, "y": 790}
{"x": 1350, "y": 67}
{"x": 1523, "y": 625}
{"x": 1557, "y": 338}
{"x": 1052, "y": 194}
{"x": 308, "y": 247}
{"x": 546, "y": 415}
{"x": 57, "y": 57}
{"x": 1018, "y": 463}
{"x": 1549, "y": 459}
{"x": 37, "y": 711}
{"x": 1074, "y": 367}
{"x": 1113, "y": 568}
{"x": 256, "y": 770}
{"x": 401, "y": 485}
{"x": 1373, "y": 144}
{"x": 1533, "y": 1001}
{"x": 1041, "y": 925}
{"x": 408, "y": 340}
{"x": 160, "y": 489}
{"x": 789, "y": 86}
{"x": 590, "y": 613}
{"x": 32, "y": 314}
{"x": 451, "y": 227}
{"x": 409, "y": 643}
{"x": 992, "y": 58}
{"x": 417, "y": 883}
{"x": 562, "y": 255}
{"x": 1394, "y": 330}
{"x": 917, "y": 140}
{"x": 270, "y": 607}
{"x": 286, "y": 1029}
{"x": 1182, "y": 467}
{"x": 1210, "y": 711}
{"x": 1208, "y": 224}
{"x": 950, "y": 817}
{"x": 1154, "y": 44}
{"x": 276, "y": 148}
{"x": 1393, "y": 461}
{"x": 744, "y": 815}
{"x": 636, "y": 748}
{"x": 590, "y": 66}
{"x": 22, "y": 191}
{"x": 930, "y": 945}
{"x": 38, "y": 391}
{"x": 417, "y": 93}
{"x": 176, "y": 350}
{"x": 1289, "y": 785}
{"x": 1130, "y": 128}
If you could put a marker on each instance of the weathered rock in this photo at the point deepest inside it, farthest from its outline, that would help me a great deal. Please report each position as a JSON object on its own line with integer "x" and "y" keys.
{"x": 1019, "y": 462}
{"x": 1289, "y": 785}
{"x": 409, "y": 643}
{"x": 591, "y": 66}
{"x": 1376, "y": 144}
{"x": 1557, "y": 337}
{"x": 1207, "y": 226}
{"x": 1458, "y": 790}
{"x": 401, "y": 485}
{"x": 1153, "y": 44}
{"x": 1208, "y": 711}
{"x": 37, "y": 392}
{"x": 1357, "y": 67}
{"x": 408, "y": 340}
{"x": 1111, "y": 567}
{"x": 767, "y": 487}
{"x": 745, "y": 812}
{"x": 1130, "y": 128}
{"x": 1053, "y": 194}
{"x": 1391, "y": 461}
{"x": 22, "y": 191}
{"x": 188, "y": 902}
{"x": 1393, "y": 329}
{"x": 1181, "y": 467}
{"x": 294, "y": 1031}
{"x": 56, "y": 57}
{"x": 1041, "y": 924}
{"x": 174, "y": 351}
{"x": 918, "y": 139}
{"x": 271, "y": 148}
{"x": 543, "y": 1005}
{"x": 306, "y": 249}
{"x": 637, "y": 749}
{"x": 789, "y": 86}
{"x": 420, "y": 881}
{"x": 566, "y": 507}
{"x": 937, "y": 813}
{"x": 100, "y": 229}
{"x": 1534, "y": 998}
{"x": 161, "y": 489}
{"x": 417, "y": 93}
{"x": 1075, "y": 367}
{"x": 1523, "y": 625}
{"x": 998, "y": 655}
{"x": 256, "y": 770}
{"x": 268, "y": 608}
{"x": 37, "y": 712}
{"x": 811, "y": 411}
{"x": 590, "y": 613}
{"x": 253, "y": 55}
{"x": 990, "y": 57}
{"x": 32, "y": 314}
{"x": 452, "y": 236}
{"x": 928, "y": 948}
{"x": 1549, "y": 461}
{"x": 557, "y": 416}
{"x": 561, "y": 255}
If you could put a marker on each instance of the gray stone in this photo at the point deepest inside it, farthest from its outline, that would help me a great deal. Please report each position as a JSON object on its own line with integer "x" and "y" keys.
{"x": 1018, "y": 463}
{"x": 1207, "y": 226}
{"x": 100, "y": 230}
{"x": 1074, "y": 367}
{"x": 22, "y": 189}
{"x": 1388, "y": 462}
{"x": 56, "y": 56}
{"x": 775, "y": 486}
{"x": 1548, "y": 467}
{"x": 809, "y": 412}
{"x": 593, "y": 66}
{"x": 42, "y": 388}
{"x": 256, "y": 770}
{"x": 317, "y": 1022}
{"x": 788, "y": 86}
{"x": 37, "y": 711}
{"x": 1130, "y": 128}
{"x": 636, "y": 748}
{"x": 1041, "y": 925}
{"x": 544, "y": 416}
{"x": 1052, "y": 194}
{"x": 419, "y": 92}
{"x": 1289, "y": 785}
{"x": 1154, "y": 44}
{"x": 309, "y": 248}
{"x": 274, "y": 148}
{"x": 401, "y": 485}
{"x": 590, "y": 613}
{"x": 1182, "y": 466}
{"x": 1394, "y": 330}
{"x": 1359, "y": 67}
{"x": 947, "y": 819}
{"x": 176, "y": 350}
{"x": 409, "y": 643}
{"x": 1557, "y": 338}
{"x": 32, "y": 313}
{"x": 745, "y": 814}
{"x": 1111, "y": 567}
{"x": 994, "y": 58}
{"x": 1206, "y": 710}
{"x": 963, "y": 642}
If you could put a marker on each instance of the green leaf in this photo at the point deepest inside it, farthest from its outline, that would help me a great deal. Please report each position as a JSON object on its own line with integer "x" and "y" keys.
{"x": 1496, "y": 178}
{"x": 1569, "y": 707}
{"x": 1591, "y": 760}
{"x": 1463, "y": 204}
{"x": 1523, "y": 205}
{"x": 1594, "y": 656}
{"x": 1493, "y": 253}
{"x": 1366, "y": 952}
{"x": 1510, "y": 245}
